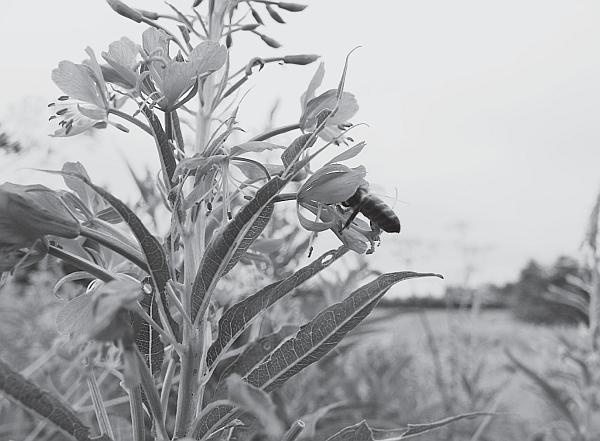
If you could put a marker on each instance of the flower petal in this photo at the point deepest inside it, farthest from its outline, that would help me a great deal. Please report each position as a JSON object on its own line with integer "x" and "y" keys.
{"x": 208, "y": 56}
{"x": 332, "y": 184}
{"x": 76, "y": 80}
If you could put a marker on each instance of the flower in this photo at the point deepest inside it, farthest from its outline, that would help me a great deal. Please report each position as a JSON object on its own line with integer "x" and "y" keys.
{"x": 122, "y": 59}
{"x": 329, "y": 186}
{"x": 173, "y": 77}
{"x": 85, "y": 104}
{"x": 28, "y": 213}
{"x": 312, "y": 106}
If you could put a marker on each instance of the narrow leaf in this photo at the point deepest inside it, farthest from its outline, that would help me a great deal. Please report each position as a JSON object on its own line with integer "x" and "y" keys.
{"x": 255, "y": 230}
{"x": 348, "y": 154}
{"x": 223, "y": 246}
{"x": 357, "y": 432}
{"x": 254, "y": 146}
{"x": 42, "y": 403}
{"x": 151, "y": 394}
{"x": 213, "y": 418}
{"x": 292, "y": 153}
{"x": 147, "y": 339}
{"x": 165, "y": 150}
{"x": 241, "y": 315}
{"x": 323, "y": 333}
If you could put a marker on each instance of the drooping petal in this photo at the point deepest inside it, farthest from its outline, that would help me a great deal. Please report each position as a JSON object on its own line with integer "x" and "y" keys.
{"x": 332, "y": 184}
{"x": 77, "y": 81}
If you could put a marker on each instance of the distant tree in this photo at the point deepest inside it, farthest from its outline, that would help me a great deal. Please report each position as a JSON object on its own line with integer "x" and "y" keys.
{"x": 532, "y": 295}
{"x": 7, "y": 145}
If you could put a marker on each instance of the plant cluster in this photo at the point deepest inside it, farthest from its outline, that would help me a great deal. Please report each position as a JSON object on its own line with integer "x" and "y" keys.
{"x": 152, "y": 315}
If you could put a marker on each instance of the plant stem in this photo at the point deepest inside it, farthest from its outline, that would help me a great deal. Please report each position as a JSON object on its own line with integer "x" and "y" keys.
{"x": 275, "y": 132}
{"x": 82, "y": 264}
{"x": 294, "y": 432}
{"x": 132, "y": 120}
{"x": 118, "y": 247}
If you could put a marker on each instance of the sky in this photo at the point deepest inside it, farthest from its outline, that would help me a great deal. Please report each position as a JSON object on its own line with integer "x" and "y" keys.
{"x": 482, "y": 116}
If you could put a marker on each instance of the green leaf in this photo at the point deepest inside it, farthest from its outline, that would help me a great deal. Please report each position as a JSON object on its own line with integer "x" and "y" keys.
{"x": 153, "y": 250}
{"x": 42, "y": 403}
{"x": 256, "y": 403}
{"x": 223, "y": 246}
{"x": 348, "y": 153}
{"x": 241, "y": 315}
{"x": 320, "y": 335}
{"x": 255, "y": 230}
{"x": 254, "y": 146}
{"x": 362, "y": 431}
{"x": 291, "y": 153}
{"x": 151, "y": 394}
{"x": 214, "y": 417}
{"x": 357, "y": 432}
{"x": 147, "y": 339}
{"x": 165, "y": 150}
{"x": 257, "y": 351}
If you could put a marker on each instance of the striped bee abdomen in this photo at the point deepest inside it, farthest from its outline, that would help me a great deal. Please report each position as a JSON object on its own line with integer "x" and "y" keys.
{"x": 380, "y": 213}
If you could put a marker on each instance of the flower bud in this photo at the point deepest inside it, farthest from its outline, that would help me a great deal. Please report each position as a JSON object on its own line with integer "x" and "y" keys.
{"x": 30, "y": 212}
{"x": 149, "y": 14}
{"x": 292, "y": 7}
{"x": 275, "y": 15}
{"x": 270, "y": 41}
{"x": 302, "y": 60}
{"x": 122, "y": 9}
{"x": 257, "y": 17}
{"x": 249, "y": 27}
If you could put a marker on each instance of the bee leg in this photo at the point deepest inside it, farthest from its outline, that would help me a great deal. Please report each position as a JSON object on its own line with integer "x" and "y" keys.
{"x": 350, "y": 219}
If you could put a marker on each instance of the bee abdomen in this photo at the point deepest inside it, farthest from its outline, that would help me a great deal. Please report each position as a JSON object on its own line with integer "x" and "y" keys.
{"x": 380, "y": 214}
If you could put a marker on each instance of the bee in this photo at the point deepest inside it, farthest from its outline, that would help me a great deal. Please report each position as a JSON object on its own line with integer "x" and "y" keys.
{"x": 374, "y": 209}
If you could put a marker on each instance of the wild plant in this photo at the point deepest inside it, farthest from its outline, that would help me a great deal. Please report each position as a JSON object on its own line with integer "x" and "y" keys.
{"x": 158, "y": 313}
{"x": 570, "y": 383}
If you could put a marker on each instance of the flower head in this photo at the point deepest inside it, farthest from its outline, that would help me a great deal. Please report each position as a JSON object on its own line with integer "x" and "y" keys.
{"x": 312, "y": 106}
{"x": 28, "y": 213}
{"x": 171, "y": 78}
{"x": 85, "y": 104}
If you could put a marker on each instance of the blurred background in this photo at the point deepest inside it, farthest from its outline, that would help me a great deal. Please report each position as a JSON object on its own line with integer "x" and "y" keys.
{"x": 482, "y": 134}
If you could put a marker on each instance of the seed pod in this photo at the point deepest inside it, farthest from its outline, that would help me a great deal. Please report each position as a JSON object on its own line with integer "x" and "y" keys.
{"x": 292, "y": 7}
{"x": 275, "y": 15}
{"x": 122, "y": 9}
{"x": 270, "y": 41}
{"x": 300, "y": 59}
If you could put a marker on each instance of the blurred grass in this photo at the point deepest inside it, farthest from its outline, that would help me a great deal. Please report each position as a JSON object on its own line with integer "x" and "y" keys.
{"x": 412, "y": 367}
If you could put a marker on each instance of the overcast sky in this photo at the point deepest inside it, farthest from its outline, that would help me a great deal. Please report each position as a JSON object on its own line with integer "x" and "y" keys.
{"x": 482, "y": 114}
